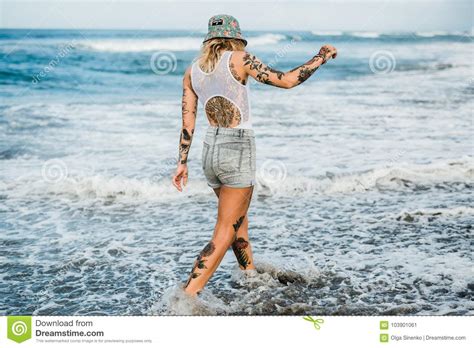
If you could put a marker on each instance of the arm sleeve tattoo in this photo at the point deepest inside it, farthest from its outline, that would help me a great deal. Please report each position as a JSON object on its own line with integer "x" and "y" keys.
{"x": 270, "y": 76}
{"x": 189, "y": 108}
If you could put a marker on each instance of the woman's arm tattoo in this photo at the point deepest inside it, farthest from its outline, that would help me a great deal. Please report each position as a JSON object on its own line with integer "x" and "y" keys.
{"x": 307, "y": 69}
{"x": 186, "y": 109}
{"x": 294, "y": 77}
{"x": 263, "y": 71}
{"x": 235, "y": 74}
{"x": 184, "y": 144}
{"x": 189, "y": 108}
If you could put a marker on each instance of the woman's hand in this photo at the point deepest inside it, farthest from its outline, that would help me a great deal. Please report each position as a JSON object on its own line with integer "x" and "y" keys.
{"x": 327, "y": 52}
{"x": 181, "y": 173}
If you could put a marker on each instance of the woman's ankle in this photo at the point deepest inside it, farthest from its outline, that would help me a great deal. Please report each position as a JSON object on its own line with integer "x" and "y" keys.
{"x": 192, "y": 293}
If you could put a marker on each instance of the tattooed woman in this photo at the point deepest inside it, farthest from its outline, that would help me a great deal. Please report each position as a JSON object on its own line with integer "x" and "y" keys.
{"x": 218, "y": 78}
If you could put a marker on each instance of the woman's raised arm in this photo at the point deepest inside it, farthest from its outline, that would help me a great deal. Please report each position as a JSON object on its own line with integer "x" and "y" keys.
{"x": 267, "y": 75}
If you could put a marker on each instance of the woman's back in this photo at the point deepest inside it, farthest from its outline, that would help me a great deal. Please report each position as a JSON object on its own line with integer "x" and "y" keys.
{"x": 224, "y": 98}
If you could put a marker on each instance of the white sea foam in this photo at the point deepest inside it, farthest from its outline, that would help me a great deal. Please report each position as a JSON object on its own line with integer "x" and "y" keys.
{"x": 365, "y": 34}
{"x": 327, "y": 33}
{"x": 183, "y": 43}
{"x": 266, "y": 39}
{"x": 433, "y": 33}
{"x": 143, "y": 45}
{"x": 120, "y": 187}
{"x": 176, "y": 302}
{"x": 399, "y": 177}
{"x": 393, "y": 177}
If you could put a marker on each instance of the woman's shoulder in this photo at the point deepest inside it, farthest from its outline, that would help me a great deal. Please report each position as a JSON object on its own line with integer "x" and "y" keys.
{"x": 239, "y": 54}
{"x": 239, "y": 57}
{"x": 188, "y": 72}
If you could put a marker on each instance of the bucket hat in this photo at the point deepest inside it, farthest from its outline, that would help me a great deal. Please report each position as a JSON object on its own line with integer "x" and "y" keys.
{"x": 224, "y": 26}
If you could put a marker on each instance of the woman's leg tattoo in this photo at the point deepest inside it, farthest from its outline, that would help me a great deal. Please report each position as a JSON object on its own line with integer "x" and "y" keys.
{"x": 239, "y": 247}
{"x": 200, "y": 261}
{"x": 237, "y": 224}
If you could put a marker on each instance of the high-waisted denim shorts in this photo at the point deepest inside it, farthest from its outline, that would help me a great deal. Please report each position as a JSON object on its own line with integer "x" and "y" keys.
{"x": 228, "y": 157}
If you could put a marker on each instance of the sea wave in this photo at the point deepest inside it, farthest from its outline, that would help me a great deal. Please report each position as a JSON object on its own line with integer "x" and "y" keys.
{"x": 392, "y": 35}
{"x": 401, "y": 177}
{"x": 183, "y": 43}
{"x": 432, "y": 213}
{"x": 266, "y": 39}
{"x": 437, "y": 33}
{"x": 142, "y": 45}
{"x": 365, "y": 34}
{"x": 327, "y": 33}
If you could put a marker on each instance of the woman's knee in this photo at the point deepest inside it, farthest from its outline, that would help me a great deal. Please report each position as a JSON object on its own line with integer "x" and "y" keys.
{"x": 223, "y": 234}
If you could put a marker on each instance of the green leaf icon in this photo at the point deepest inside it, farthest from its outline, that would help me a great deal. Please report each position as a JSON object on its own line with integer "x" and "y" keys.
{"x": 19, "y": 328}
{"x": 315, "y": 322}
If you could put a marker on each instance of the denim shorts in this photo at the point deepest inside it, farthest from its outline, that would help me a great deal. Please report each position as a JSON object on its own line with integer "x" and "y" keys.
{"x": 228, "y": 157}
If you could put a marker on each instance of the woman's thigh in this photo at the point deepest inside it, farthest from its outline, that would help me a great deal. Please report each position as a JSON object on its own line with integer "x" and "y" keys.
{"x": 233, "y": 205}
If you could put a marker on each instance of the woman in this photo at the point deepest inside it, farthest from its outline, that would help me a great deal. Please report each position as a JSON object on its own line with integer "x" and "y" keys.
{"x": 219, "y": 79}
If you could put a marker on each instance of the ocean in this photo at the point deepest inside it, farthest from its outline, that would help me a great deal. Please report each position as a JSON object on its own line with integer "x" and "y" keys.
{"x": 363, "y": 203}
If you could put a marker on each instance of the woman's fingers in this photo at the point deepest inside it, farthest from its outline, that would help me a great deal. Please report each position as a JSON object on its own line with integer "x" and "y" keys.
{"x": 181, "y": 174}
{"x": 329, "y": 51}
{"x": 332, "y": 51}
{"x": 177, "y": 182}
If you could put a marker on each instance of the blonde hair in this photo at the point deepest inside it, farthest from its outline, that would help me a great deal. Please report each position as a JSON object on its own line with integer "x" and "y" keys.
{"x": 211, "y": 51}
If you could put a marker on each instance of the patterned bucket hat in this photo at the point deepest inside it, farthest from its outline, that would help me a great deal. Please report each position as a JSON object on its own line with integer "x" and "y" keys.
{"x": 223, "y": 26}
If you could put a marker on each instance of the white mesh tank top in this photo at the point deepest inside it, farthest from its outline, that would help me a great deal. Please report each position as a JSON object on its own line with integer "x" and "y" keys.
{"x": 221, "y": 82}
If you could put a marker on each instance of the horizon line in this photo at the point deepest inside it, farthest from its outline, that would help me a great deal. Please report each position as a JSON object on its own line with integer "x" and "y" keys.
{"x": 250, "y": 30}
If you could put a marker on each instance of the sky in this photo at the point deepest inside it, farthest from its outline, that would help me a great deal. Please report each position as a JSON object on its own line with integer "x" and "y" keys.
{"x": 347, "y": 15}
